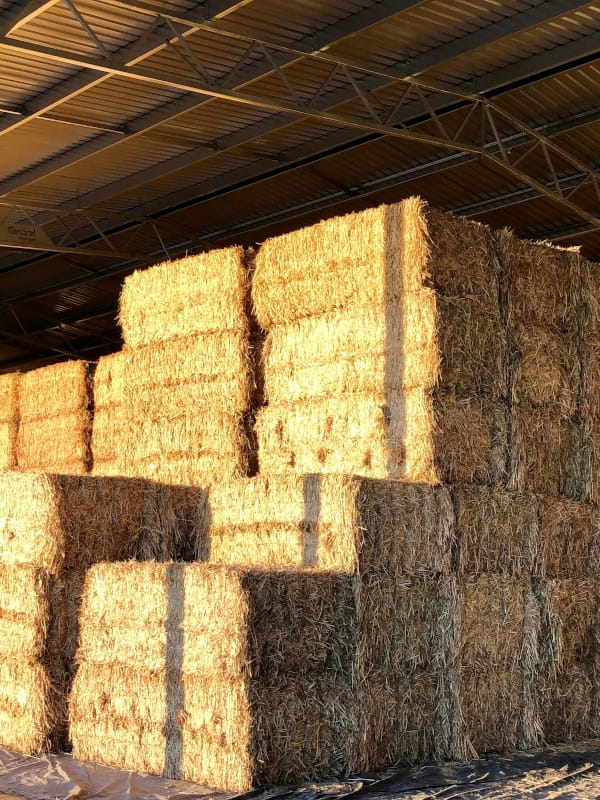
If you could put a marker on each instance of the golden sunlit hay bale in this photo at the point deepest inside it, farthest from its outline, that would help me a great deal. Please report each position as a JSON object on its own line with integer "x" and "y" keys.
{"x": 9, "y": 397}
{"x": 24, "y": 611}
{"x": 353, "y": 435}
{"x": 109, "y": 431}
{"x": 26, "y": 708}
{"x": 461, "y": 344}
{"x": 544, "y": 284}
{"x": 196, "y": 294}
{"x": 496, "y": 532}
{"x": 8, "y": 445}
{"x": 546, "y": 368}
{"x": 333, "y": 522}
{"x": 370, "y": 258}
{"x": 57, "y": 390}
{"x": 230, "y": 644}
{"x": 570, "y": 538}
{"x": 352, "y": 350}
{"x": 183, "y": 471}
{"x": 60, "y": 443}
{"x": 544, "y": 452}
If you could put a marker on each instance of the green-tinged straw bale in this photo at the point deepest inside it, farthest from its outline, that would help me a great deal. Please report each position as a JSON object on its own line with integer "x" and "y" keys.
{"x": 567, "y": 682}
{"x": 570, "y": 538}
{"x": 544, "y": 452}
{"x": 56, "y": 444}
{"x": 9, "y": 397}
{"x": 496, "y": 531}
{"x": 197, "y": 294}
{"x": 256, "y": 689}
{"x": 470, "y": 440}
{"x": 57, "y": 390}
{"x": 8, "y": 445}
{"x": 492, "y": 708}
{"x": 371, "y": 258}
{"x": 546, "y": 368}
{"x": 333, "y": 522}
{"x": 26, "y": 706}
{"x": 544, "y": 284}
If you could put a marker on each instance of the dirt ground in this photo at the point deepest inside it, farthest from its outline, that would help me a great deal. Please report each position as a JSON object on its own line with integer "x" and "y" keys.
{"x": 556, "y": 773}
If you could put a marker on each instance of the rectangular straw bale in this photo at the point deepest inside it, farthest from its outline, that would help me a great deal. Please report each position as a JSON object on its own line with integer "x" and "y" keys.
{"x": 496, "y": 531}
{"x": 456, "y": 342}
{"x": 232, "y": 642}
{"x": 197, "y": 294}
{"x": 353, "y": 435}
{"x": 591, "y": 379}
{"x": 570, "y": 538}
{"x": 544, "y": 452}
{"x": 56, "y": 390}
{"x": 109, "y": 380}
{"x": 544, "y": 284}
{"x": 492, "y": 708}
{"x": 199, "y": 471}
{"x": 8, "y": 445}
{"x": 371, "y": 258}
{"x": 110, "y": 428}
{"x": 9, "y": 397}
{"x": 567, "y": 688}
{"x": 332, "y": 522}
{"x": 546, "y": 368}
{"x": 24, "y": 611}
{"x": 26, "y": 710}
{"x": 59, "y": 443}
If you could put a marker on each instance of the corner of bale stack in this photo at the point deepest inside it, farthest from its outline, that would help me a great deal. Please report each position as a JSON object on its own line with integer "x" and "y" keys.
{"x": 237, "y": 701}
{"x": 55, "y": 418}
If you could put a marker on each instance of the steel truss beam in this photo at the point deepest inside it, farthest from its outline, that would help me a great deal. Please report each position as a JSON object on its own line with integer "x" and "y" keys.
{"x": 478, "y": 132}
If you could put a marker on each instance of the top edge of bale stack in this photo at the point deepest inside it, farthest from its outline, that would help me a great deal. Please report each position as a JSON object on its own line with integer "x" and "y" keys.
{"x": 369, "y": 258}
{"x": 203, "y": 293}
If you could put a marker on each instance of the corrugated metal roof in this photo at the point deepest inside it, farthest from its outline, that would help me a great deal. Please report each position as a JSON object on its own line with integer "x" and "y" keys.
{"x": 303, "y": 135}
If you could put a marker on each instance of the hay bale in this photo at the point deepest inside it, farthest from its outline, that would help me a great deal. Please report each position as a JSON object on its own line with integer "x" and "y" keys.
{"x": 56, "y": 390}
{"x": 546, "y": 368}
{"x": 496, "y": 531}
{"x": 567, "y": 683}
{"x": 453, "y": 342}
{"x": 498, "y": 655}
{"x": 332, "y": 522}
{"x": 197, "y": 294}
{"x": 52, "y": 528}
{"x": 355, "y": 434}
{"x": 9, "y": 419}
{"x": 26, "y": 707}
{"x": 545, "y": 452}
{"x": 58, "y": 444}
{"x": 55, "y": 418}
{"x": 545, "y": 285}
{"x": 219, "y": 651}
{"x": 371, "y": 259}
{"x": 570, "y": 538}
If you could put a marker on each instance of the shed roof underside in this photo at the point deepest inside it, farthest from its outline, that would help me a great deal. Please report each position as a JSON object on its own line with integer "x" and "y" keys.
{"x": 136, "y": 130}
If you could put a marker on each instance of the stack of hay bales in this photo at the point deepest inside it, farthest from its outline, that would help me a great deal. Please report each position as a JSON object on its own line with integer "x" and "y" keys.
{"x": 9, "y": 419}
{"x": 55, "y": 418}
{"x": 546, "y": 307}
{"x": 52, "y": 528}
{"x": 170, "y": 406}
{"x": 230, "y": 677}
{"x": 386, "y": 350}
